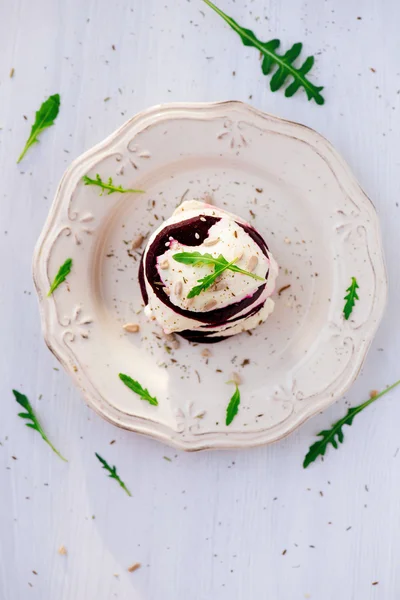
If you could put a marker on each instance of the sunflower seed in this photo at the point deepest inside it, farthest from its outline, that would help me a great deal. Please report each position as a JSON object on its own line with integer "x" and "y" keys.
{"x": 163, "y": 264}
{"x": 178, "y": 288}
{"x": 172, "y": 340}
{"x": 210, "y": 304}
{"x": 219, "y": 286}
{"x": 211, "y": 241}
{"x": 251, "y": 265}
{"x": 137, "y": 242}
{"x": 131, "y": 327}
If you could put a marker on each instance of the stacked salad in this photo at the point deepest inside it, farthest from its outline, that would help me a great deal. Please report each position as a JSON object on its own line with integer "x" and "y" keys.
{"x": 207, "y": 274}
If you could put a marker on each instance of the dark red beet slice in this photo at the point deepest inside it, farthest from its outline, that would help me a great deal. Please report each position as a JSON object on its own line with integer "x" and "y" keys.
{"x": 201, "y": 338}
{"x": 204, "y": 337}
{"x": 251, "y": 312}
{"x": 142, "y": 282}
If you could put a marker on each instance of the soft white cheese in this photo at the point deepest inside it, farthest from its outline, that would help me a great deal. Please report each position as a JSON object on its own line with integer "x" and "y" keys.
{"x": 226, "y": 237}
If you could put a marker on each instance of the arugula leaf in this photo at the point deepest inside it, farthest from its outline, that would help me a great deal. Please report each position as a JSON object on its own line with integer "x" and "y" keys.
{"x": 138, "y": 389}
{"x": 113, "y": 473}
{"x": 283, "y": 62}
{"x": 196, "y": 258}
{"x": 208, "y": 280}
{"x": 61, "y": 276}
{"x": 328, "y": 436}
{"x": 108, "y": 186}
{"x": 351, "y": 298}
{"x": 45, "y": 118}
{"x": 220, "y": 265}
{"x": 233, "y": 406}
{"x": 29, "y": 414}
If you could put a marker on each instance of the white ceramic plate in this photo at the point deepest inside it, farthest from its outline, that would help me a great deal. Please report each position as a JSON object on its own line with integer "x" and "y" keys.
{"x": 286, "y": 180}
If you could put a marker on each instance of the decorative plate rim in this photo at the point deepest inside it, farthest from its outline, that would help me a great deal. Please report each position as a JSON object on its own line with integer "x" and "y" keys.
{"x": 158, "y": 430}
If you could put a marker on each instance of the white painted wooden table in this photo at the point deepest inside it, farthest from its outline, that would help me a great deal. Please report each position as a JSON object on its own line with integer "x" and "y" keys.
{"x": 212, "y": 526}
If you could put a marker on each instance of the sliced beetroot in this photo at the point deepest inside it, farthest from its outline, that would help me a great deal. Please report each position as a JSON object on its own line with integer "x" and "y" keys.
{"x": 185, "y": 233}
{"x": 204, "y": 337}
{"x": 256, "y": 237}
{"x": 251, "y": 312}
{"x": 142, "y": 282}
{"x": 201, "y": 338}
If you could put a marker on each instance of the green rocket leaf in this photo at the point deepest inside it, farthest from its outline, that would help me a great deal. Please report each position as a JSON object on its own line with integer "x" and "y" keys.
{"x": 334, "y": 435}
{"x": 30, "y": 415}
{"x": 351, "y": 298}
{"x": 138, "y": 389}
{"x": 113, "y": 473}
{"x": 61, "y": 276}
{"x": 284, "y": 62}
{"x": 45, "y": 118}
{"x": 108, "y": 185}
{"x": 220, "y": 265}
{"x": 233, "y": 406}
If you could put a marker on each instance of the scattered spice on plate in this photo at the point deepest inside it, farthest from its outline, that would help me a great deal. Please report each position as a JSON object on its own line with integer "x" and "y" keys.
{"x": 283, "y": 288}
{"x": 62, "y": 550}
{"x": 134, "y": 567}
